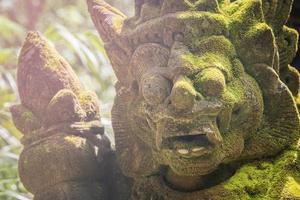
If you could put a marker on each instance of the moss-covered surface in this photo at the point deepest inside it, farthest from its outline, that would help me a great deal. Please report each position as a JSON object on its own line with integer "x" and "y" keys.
{"x": 57, "y": 162}
{"x": 268, "y": 179}
{"x": 200, "y": 75}
{"x": 297, "y": 98}
{"x": 236, "y": 53}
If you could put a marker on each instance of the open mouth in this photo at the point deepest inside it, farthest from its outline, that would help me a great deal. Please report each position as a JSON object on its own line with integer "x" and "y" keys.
{"x": 189, "y": 146}
{"x": 194, "y": 144}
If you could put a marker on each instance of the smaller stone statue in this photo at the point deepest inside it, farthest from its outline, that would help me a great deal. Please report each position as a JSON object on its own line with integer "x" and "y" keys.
{"x": 61, "y": 124}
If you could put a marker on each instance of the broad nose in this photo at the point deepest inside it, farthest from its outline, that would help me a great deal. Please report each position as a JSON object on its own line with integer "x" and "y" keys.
{"x": 183, "y": 94}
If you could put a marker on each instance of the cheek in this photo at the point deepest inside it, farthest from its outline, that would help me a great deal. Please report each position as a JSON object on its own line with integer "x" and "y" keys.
{"x": 232, "y": 148}
{"x": 248, "y": 112}
{"x": 139, "y": 122}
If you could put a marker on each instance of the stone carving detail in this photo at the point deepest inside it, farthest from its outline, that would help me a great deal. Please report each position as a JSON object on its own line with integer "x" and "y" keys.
{"x": 206, "y": 106}
{"x": 203, "y": 88}
{"x": 60, "y": 122}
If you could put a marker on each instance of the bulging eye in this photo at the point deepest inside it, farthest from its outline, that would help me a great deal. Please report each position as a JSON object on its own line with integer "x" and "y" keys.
{"x": 155, "y": 88}
{"x": 210, "y": 82}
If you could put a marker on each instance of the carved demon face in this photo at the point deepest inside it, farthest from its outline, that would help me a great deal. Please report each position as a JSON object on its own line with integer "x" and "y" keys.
{"x": 198, "y": 83}
{"x": 193, "y": 109}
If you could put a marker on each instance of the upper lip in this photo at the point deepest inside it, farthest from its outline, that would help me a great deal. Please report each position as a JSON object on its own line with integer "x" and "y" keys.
{"x": 173, "y": 128}
{"x": 201, "y": 121}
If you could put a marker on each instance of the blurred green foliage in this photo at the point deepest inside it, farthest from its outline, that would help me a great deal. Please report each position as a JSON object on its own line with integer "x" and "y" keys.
{"x": 67, "y": 24}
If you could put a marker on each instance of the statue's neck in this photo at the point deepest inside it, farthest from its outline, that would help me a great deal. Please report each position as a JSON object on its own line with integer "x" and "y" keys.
{"x": 184, "y": 183}
{"x": 193, "y": 183}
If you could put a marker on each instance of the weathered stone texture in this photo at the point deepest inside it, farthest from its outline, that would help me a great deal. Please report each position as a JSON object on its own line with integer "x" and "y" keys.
{"x": 60, "y": 122}
{"x": 204, "y": 88}
{"x": 206, "y": 106}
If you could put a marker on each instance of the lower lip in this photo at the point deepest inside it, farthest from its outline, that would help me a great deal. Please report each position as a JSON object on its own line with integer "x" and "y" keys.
{"x": 192, "y": 153}
{"x": 196, "y": 152}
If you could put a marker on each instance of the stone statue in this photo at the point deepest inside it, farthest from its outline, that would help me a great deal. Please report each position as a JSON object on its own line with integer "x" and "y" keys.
{"x": 206, "y": 106}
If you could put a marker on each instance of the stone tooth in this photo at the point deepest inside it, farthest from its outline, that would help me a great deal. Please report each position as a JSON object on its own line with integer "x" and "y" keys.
{"x": 181, "y": 134}
{"x": 207, "y": 130}
{"x": 197, "y": 133}
{"x": 183, "y": 151}
{"x": 198, "y": 149}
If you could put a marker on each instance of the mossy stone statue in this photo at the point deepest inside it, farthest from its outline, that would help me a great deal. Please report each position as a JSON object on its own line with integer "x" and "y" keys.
{"x": 206, "y": 106}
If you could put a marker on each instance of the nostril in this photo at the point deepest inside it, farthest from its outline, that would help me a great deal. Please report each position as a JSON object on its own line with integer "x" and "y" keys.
{"x": 237, "y": 111}
{"x": 168, "y": 101}
{"x": 135, "y": 86}
{"x": 198, "y": 97}
{"x": 219, "y": 122}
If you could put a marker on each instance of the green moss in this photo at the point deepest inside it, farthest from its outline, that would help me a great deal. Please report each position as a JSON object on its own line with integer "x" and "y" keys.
{"x": 298, "y": 101}
{"x": 287, "y": 43}
{"x": 28, "y": 115}
{"x": 292, "y": 187}
{"x": 207, "y": 60}
{"x": 24, "y": 119}
{"x": 268, "y": 179}
{"x": 211, "y": 82}
{"x": 202, "y": 25}
{"x": 252, "y": 179}
{"x": 291, "y": 77}
{"x": 276, "y": 13}
{"x": 212, "y": 44}
{"x": 90, "y": 104}
{"x": 249, "y": 33}
{"x": 244, "y": 14}
{"x": 257, "y": 42}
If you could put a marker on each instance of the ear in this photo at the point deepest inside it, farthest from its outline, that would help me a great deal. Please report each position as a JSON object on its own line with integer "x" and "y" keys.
{"x": 107, "y": 19}
{"x": 134, "y": 156}
{"x": 274, "y": 134}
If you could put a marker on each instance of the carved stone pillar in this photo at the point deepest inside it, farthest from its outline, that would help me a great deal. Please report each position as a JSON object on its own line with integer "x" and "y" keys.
{"x": 61, "y": 125}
